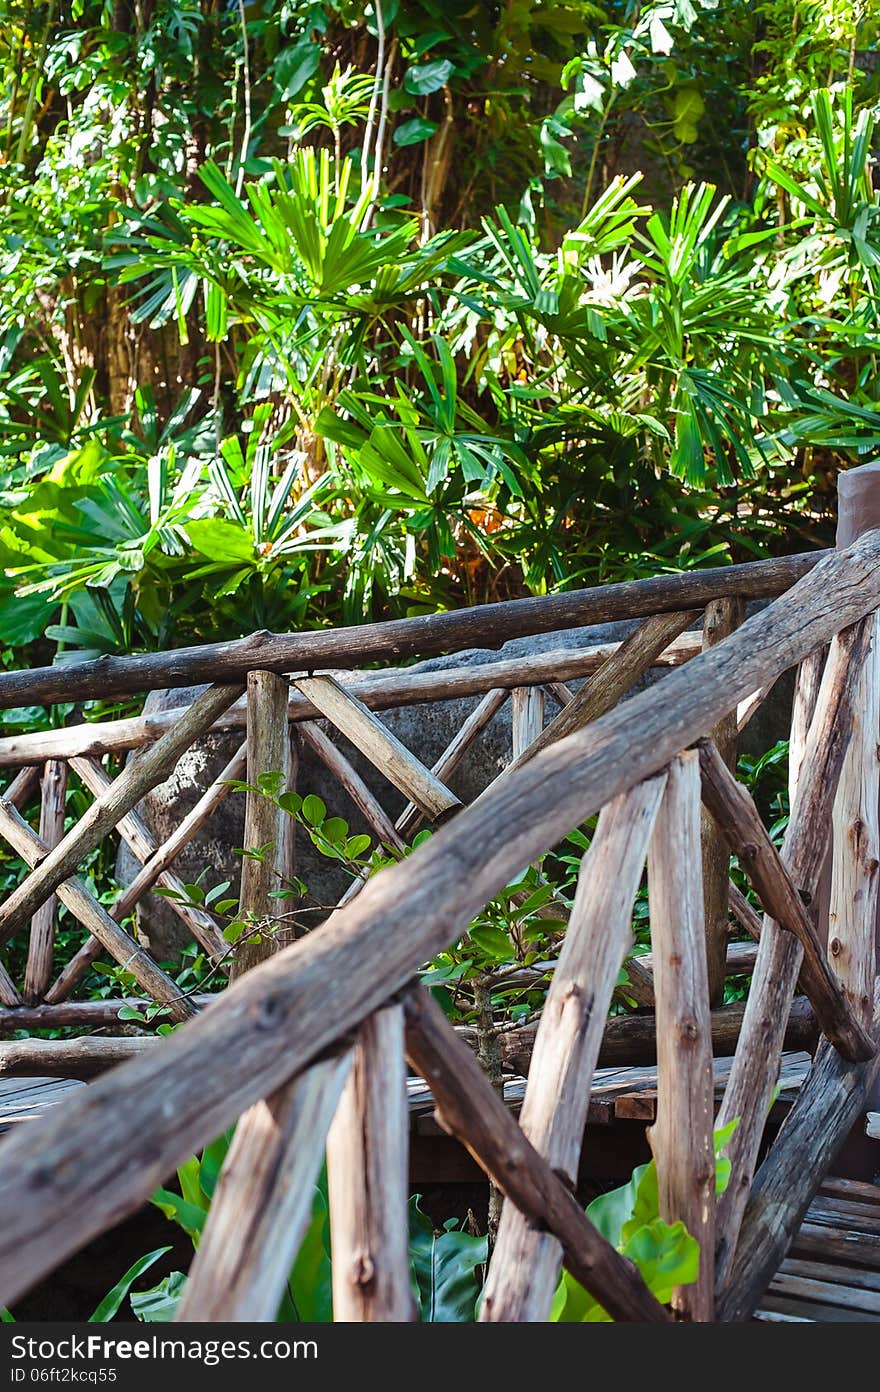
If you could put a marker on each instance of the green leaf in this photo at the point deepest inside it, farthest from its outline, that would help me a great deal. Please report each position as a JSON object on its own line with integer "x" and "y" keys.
{"x": 428, "y": 77}
{"x": 189, "y": 1216}
{"x": 314, "y": 810}
{"x": 414, "y": 131}
{"x": 220, "y": 540}
{"x": 114, "y": 1298}
{"x": 493, "y": 941}
{"x": 444, "y": 1269}
{"x": 159, "y": 1304}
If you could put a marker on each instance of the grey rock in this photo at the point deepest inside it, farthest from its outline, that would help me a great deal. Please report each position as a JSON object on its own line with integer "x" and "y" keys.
{"x": 427, "y": 729}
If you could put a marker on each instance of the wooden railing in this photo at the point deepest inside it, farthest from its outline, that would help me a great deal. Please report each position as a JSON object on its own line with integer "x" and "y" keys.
{"x": 306, "y": 1046}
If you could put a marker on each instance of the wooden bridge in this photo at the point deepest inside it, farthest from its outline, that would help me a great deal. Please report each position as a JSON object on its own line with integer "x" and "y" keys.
{"x": 308, "y": 1046}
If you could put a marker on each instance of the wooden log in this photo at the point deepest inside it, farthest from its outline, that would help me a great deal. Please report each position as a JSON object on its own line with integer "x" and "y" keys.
{"x": 41, "y": 946}
{"x": 164, "y": 856}
{"x": 360, "y": 793}
{"x": 455, "y": 751}
{"x": 681, "y": 1137}
{"x": 137, "y": 835}
{"x": 58, "y": 1193}
{"x": 780, "y": 955}
{"x": 722, "y": 616}
{"x": 524, "y": 1269}
{"x": 469, "y": 1109}
{"x": 142, "y": 775}
{"x": 740, "y": 823}
{"x": 826, "y": 1109}
{"x": 743, "y": 912}
{"x": 86, "y": 1014}
{"x": 267, "y": 752}
{"x": 560, "y": 693}
{"x": 526, "y": 718}
{"x": 635, "y": 656}
{"x": 368, "y": 1179}
{"x": 423, "y": 636}
{"x": 23, "y": 786}
{"x": 70, "y": 1058}
{"x": 262, "y": 1204}
{"x": 856, "y": 846}
{"x": 383, "y": 690}
{"x": 639, "y": 983}
{"x": 120, "y": 944}
{"x": 376, "y": 742}
{"x": 740, "y": 958}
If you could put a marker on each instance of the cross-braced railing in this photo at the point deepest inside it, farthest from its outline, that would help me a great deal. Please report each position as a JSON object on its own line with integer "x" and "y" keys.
{"x": 306, "y": 1047}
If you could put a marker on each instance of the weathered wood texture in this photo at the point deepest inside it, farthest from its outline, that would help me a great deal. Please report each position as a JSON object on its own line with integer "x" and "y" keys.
{"x": 526, "y": 718}
{"x": 262, "y": 1204}
{"x": 164, "y": 856}
{"x": 525, "y": 1264}
{"x": 485, "y": 625}
{"x": 141, "y": 841}
{"x": 635, "y": 656}
{"x": 368, "y": 1178}
{"x": 69, "y": 1058}
{"x": 23, "y": 786}
{"x": 828, "y": 1105}
{"x": 468, "y": 1107}
{"x": 780, "y": 953}
{"x": 681, "y": 1137}
{"x": 120, "y": 944}
{"x": 376, "y": 742}
{"x": 722, "y": 616}
{"x": 856, "y": 838}
{"x": 395, "y": 686}
{"x": 740, "y": 823}
{"x": 267, "y": 752}
{"x": 139, "y": 777}
{"x": 455, "y": 751}
{"x": 42, "y": 938}
{"x": 745, "y": 915}
{"x": 58, "y": 1192}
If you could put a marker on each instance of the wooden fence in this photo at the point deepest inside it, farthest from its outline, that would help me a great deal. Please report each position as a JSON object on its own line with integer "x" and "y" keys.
{"x": 306, "y": 1048}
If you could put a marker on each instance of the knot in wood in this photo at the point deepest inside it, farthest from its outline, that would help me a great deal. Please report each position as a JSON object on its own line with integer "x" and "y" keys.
{"x": 835, "y": 947}
{"x": 363, "y": 1270}
{"x": 749, "y": 852}
{"x": 689, "y": 1030}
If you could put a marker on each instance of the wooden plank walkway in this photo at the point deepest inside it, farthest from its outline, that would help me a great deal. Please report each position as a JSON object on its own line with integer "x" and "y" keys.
{"x": 24, "y": 1099}
{"x": 832, "y": 1272}
{"x": 617, "y": 1094}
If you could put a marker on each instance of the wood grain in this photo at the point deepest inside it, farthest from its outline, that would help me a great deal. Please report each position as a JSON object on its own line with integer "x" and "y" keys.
{"x": 524, "y": 1269}
{"x": 681, "y": 1137}
{"x": 368, "y": 1179}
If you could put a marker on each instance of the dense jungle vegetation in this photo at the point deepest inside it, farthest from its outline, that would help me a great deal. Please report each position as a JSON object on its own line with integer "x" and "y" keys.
{"x": 317, "y": 312}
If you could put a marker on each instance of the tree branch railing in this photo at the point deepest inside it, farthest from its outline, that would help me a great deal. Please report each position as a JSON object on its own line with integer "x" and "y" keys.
{"x": 276, "y": 1046}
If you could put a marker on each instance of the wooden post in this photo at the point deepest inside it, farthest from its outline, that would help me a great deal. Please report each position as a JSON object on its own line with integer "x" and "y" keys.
{"x": 367, "y": 1179}
{"x": 42, "y": 940}
{"x": 287, "y": 857}
{"x": 263, "y": 1200}
{"x": 267, "y": 752}
{"x": 722, "y": 616}
{"x": 780, "y": 954}
{"x": 525, "y": 1264}
{"x": 455, "y": 751}
{"x": 527, "y": 718}
{"x": 681, "y": 1137}
{"x": 739, "y": 822}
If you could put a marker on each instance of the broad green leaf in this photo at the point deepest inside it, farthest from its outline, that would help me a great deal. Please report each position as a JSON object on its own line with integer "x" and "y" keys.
{"x": 114, "y": 1298}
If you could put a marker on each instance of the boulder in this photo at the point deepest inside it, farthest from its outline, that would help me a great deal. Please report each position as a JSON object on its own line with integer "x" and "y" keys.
{"x": 427, "y": 729}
